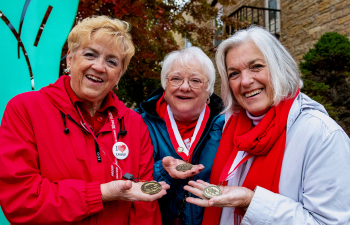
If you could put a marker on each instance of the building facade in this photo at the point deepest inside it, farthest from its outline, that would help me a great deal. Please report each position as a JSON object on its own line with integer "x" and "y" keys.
{"x": 298, "y": 24}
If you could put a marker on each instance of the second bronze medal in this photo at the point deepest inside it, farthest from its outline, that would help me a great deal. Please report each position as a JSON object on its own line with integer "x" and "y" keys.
{"x": 184, "y": 167}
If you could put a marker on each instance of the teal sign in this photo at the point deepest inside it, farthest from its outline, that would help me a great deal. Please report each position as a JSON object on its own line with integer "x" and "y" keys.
{"x": 32, "y": 34}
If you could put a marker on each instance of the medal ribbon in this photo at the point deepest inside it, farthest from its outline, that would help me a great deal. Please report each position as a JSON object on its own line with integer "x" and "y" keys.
{"x": 227, "y": 171}
{"x": 175, "y": 136}
{"x": 113, "y": 127}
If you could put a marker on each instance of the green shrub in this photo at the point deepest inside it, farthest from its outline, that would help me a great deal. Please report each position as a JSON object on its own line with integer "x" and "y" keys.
{"x": 325, "y": 72}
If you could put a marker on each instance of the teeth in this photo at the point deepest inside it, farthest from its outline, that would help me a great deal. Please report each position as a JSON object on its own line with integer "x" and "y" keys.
{"x": 253, "y": 93}
{"x": 94, "y": 78}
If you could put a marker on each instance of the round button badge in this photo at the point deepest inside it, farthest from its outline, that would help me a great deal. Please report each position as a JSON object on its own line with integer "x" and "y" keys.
{"x": 120, "y": 150}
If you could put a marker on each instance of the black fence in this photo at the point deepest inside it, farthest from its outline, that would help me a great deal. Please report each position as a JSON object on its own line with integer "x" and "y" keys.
{"x": 264, "y": 17}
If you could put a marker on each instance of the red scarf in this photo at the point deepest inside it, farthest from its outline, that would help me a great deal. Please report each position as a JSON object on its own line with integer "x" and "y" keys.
{"x": 266, "y": 141}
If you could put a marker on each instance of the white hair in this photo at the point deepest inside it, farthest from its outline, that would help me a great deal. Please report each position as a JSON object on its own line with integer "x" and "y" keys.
{"x": 185, "y": 57}
{"x": 283, "y": 70}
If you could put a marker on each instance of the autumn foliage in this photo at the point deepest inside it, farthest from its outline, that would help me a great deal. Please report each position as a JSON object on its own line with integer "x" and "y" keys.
{"x": 154, "y": 23}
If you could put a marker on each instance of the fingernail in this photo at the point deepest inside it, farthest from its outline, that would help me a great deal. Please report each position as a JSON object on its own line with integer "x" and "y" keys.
{"x": 211, "y": 203}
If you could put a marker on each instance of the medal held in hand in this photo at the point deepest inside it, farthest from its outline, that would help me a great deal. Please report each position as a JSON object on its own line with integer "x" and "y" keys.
{"x": 184, "y": 167}
{"x": 211, "y": 191}
{"x": 151, "y": 187}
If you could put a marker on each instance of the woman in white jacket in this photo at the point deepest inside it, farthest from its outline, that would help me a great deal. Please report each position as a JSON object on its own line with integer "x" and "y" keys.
{"x": 281, "y": 159}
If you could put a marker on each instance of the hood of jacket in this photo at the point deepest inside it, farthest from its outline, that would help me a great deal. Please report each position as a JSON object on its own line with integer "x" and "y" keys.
{"x": 300, "y": 104}
{"x": 58, "y": 96}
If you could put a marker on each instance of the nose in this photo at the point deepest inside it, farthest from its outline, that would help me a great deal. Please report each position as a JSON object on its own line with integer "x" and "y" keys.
{"x": 247, "y": 78}
{"x": 99, "y": 66}
{"x": 185, "y": 86}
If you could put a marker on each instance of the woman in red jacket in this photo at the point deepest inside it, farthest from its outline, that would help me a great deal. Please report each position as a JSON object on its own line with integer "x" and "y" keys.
{"x": 65, "y": 149}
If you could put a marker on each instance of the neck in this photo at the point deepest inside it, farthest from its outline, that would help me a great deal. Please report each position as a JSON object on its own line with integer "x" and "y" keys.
{"x": 92, "y": 107}
{"x": 186, "y": 119}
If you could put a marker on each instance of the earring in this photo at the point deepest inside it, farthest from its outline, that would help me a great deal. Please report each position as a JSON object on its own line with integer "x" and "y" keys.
{"x": 116, "y": 87}
{"x": 208, "y": 100}
{"x": 66, "y": 71}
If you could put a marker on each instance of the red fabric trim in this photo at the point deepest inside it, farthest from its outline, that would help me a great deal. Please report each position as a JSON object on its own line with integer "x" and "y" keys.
{"x": 266, "y": 141}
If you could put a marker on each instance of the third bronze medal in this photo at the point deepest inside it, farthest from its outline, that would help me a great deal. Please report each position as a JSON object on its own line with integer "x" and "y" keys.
{"x": 211, "y": 191}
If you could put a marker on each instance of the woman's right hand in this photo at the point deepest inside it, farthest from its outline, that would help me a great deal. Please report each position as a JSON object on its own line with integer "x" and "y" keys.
{"x": 126, "y": 190}
{"x": 170, "y": 164}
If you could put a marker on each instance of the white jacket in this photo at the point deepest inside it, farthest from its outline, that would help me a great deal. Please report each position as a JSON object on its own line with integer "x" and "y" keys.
{"x": 315, "y": 177}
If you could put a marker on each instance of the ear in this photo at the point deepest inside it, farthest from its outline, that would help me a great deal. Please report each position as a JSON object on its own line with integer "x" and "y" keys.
{"x": 69, "y": 58}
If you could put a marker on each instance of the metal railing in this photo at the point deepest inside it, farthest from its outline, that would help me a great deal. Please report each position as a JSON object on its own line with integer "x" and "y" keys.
{"x": 264, "y": 17}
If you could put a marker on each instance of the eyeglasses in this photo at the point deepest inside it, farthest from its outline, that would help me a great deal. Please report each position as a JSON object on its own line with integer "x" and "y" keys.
{"x": 194, "y": 83}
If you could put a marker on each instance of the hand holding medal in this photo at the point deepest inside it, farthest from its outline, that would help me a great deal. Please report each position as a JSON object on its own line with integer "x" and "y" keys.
{"x": 179, "y": 169}
{"x": 218, "y": 196}
{"x": 127, "y": 190}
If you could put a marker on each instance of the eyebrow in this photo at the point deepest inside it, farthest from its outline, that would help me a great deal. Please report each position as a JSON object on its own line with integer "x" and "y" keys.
{"x": 95, "y": 51}
{"x": 249, "y": 63}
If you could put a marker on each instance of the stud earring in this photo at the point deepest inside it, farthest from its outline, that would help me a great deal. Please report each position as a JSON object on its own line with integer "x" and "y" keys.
{"x": 66, "y": 71}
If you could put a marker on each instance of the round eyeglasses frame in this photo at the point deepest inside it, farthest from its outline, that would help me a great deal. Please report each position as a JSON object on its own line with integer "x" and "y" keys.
{"x": 189, "y": 82}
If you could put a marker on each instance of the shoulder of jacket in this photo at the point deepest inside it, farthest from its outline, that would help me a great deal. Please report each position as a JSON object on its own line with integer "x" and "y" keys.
{"x": 27, "y": 98}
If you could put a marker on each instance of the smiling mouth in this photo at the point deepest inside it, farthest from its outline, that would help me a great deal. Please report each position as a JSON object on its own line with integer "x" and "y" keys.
{"x": 183, "y": 97}
{"x": 253, "y": 93}
{"x": 94, "y": 79}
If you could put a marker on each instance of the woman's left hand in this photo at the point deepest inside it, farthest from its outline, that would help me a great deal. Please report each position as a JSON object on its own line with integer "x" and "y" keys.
{"x": 232, "y": 196}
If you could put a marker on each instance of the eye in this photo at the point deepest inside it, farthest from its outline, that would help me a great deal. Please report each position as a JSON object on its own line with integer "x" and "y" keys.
{"x": 196, "y": 80}
{"x": 233, "y": 75}
{"x": 112, "y": 62}
{"x": 89, "y": 55}
{"x": 176, "y": 78}
{"x": 257, "y": 67}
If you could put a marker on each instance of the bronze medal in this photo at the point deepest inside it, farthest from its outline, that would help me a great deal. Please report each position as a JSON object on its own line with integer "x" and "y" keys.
{"x": 180, "y": 149}
{"x": 184, "y": 167}
{"x": 211, "y": 191}
{"x": 151, "y": 187}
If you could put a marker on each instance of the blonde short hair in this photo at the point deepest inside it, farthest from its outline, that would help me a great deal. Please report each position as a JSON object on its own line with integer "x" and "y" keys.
{"x": 114, "y": 31}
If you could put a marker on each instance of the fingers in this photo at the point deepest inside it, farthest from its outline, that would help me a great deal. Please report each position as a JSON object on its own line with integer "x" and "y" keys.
{"x": 198, "y": 201}
{"x": 199, "y": 184}
{"x": 204, "y": 183}
{"x": 127, "y": 185}
{"x": 195, "y": 191}
{"x": 165, "y": 186}
{"x": 167, "y": 161}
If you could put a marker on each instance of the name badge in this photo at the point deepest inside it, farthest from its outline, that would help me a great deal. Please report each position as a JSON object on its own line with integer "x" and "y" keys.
{"x": 120, "y": 150}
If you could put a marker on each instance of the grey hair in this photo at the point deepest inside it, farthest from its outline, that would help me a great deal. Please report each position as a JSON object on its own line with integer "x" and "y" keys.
{"x": 283, "y": 70}
{"x": 186, "y": 56}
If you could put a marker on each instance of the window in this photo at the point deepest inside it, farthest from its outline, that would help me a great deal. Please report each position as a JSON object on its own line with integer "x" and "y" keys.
{"x": 187, "y": 43}
{"x": 273, "y": 18}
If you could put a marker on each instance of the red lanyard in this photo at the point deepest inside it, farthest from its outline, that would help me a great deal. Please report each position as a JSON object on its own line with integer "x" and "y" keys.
{"x": 114, "y": 171}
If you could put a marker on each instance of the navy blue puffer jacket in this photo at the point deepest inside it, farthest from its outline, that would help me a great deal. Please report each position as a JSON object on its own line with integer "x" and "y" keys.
{"x": 204, "y": 154}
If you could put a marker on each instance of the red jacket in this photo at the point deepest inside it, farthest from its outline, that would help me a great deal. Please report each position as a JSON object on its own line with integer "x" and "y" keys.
{"x": 49, "y": 177}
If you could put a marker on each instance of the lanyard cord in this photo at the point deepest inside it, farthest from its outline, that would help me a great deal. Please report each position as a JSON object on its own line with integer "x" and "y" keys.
{"x": 113, "y": 131}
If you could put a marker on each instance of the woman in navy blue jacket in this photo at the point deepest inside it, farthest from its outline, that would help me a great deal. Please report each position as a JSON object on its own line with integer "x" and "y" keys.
{"x": 185, "y": 125}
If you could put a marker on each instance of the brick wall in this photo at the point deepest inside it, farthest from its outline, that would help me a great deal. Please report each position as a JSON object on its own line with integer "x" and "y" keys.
{"x": 304, "y": 21}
